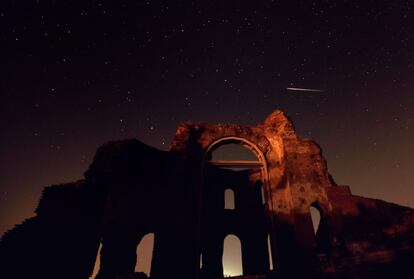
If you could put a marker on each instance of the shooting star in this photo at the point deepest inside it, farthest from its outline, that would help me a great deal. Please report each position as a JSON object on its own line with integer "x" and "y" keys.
{"x": 303, "y": 89}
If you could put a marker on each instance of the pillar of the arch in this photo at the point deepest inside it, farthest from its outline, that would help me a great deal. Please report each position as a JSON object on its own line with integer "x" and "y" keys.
{"x": 283, "y": 246}
{"x": 294, "y": 248}
{"x": 174, "y": 253}
{"x": 255, "y": 253}
{"x": 306, "y": 243}
{"x": 118, "y": 254}
{"x": 212, "y": 256}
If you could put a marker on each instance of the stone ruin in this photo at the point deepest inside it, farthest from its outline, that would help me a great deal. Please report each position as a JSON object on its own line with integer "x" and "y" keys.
{"x": 131, "y": 189}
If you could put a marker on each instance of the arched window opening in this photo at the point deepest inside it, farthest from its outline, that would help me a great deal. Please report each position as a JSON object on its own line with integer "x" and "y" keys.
{"x": 145, "y": 251}
{"x": 234, "y": 156}
{"x": 229, "y": 201}
{"x": 97, "y": 262}
{"x": 262, "y": 192}
{"x": 232, "y": 151}
{"x": 316, "y": 218}
{"x": 232, "y": 256}
{"x": 320, "y": 229}
{"x": 269, "y": 249}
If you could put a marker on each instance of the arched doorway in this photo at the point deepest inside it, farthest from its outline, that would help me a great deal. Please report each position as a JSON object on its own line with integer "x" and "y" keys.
{"x": 145, "y": 250}
{"x": 232, "y": 256}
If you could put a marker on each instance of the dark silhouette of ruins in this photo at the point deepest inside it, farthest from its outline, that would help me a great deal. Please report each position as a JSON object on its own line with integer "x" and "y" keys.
{"x": 132, "y": 189}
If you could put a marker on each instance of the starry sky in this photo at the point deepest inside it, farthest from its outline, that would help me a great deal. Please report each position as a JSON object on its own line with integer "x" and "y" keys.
{"x": 75, "y": 75}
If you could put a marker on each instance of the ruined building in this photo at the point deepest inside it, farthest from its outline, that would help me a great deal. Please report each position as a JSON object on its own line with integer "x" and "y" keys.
{"x": 132, "y": 189}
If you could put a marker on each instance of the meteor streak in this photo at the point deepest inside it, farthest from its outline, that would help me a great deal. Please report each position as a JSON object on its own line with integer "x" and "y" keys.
{"x": 303, "y": 89}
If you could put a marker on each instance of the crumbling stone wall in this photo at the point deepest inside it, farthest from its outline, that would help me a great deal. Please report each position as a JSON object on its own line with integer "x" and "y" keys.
{"x": 370, "y": 237}
{"x": 132, "y": 189}
{"x": 61, "y": 240}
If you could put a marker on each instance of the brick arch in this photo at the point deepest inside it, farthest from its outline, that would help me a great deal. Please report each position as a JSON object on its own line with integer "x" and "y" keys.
{"x": 195, "y": 142}
{"x": 194, "y": 139}
{"x": 238, "y": 140}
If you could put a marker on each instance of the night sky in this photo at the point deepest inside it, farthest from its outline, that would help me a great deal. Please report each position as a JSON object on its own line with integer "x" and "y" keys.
{"x": 74, "y": 76}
